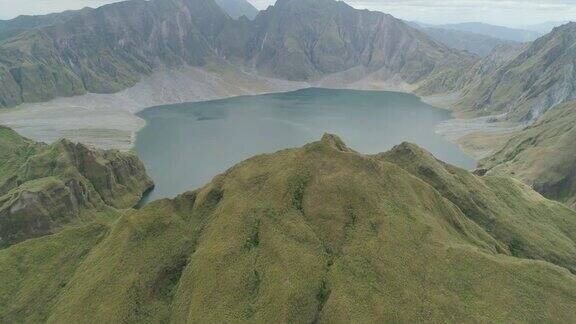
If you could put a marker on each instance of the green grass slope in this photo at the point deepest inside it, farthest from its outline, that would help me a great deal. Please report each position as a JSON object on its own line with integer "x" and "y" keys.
{"x": 43, "y": 187}
{"x": 14, "y": 150}
{"x": 319, "y": 234}
{"x": 524, "y": 223}
{"x": 543, "y": 155}
{"x": 34, "y": 272}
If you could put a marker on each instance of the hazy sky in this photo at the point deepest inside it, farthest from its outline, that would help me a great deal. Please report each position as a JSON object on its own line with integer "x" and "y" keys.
{"x": 502, "y": 12}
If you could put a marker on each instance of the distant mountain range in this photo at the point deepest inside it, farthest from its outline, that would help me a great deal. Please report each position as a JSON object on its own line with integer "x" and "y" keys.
{"x": 545, "y": 28}
{"x": 323, "y": 42}
{"x": 477, "y": 38}
{"x": 481, "y": 38}
{"x": 111, "y": 48}
{"x": 478, "y": 44}
{"x": 527, "y": 82}
{"x": 500, "y": 32}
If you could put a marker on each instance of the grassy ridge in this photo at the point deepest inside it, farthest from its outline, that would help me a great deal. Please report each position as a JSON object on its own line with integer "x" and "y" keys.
{"x": 324, "y": 234}
{"x": 506, "y": 209}
{"x": 542, "y": 155}
{"x": 14, "y": 151}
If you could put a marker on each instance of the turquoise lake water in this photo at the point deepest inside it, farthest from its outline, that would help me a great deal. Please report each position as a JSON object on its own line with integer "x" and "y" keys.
{"x": 185, "y": 145}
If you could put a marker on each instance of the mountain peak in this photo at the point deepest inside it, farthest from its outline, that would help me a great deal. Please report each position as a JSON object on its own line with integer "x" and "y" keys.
{"x": 411, "y": 154}
{"x": 568, "y": 27}
{"x": 335, "y": 142}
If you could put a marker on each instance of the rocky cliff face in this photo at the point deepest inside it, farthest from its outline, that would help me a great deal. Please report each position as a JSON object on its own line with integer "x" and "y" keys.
{"x": 530, "y": 82}
{"x": 307, "y": 40}
{"x": 36, "y": 208}
{"x": 107, "y": 49}
{"x": 44, "y": 187}
{"x": 313, "y": 234}
{"x": 326, "y": 43}
{"x": 118, "y": 178}
{"x": 110, "y": 48}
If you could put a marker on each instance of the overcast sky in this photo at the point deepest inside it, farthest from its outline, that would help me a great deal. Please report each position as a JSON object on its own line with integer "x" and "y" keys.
{"x": 501, "y": 12}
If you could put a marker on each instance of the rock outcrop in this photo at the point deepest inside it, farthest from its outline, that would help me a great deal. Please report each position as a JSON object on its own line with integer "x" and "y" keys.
{"x": 43, "y": 187}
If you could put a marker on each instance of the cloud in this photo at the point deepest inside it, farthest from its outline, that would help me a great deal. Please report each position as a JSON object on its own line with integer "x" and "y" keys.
{"x": 13, "y": 8}
{"x": 503, "y": 12}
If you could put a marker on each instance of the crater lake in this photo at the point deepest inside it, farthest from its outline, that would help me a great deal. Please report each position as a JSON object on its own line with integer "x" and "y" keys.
{"x": 185, "y": 145}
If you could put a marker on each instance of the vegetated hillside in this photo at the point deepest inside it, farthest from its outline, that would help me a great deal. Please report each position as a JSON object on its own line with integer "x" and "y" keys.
{"x": 111, "y": 48}
{"x": 500, "y": 32}
{"x": 314, "y": 234}
{"x": 478, "y": 44}
{"x": 543, "y": 155}
{"x": 541, "y": 76}
{"x": 238, "y": 8}
{"x": 43, "y": 187}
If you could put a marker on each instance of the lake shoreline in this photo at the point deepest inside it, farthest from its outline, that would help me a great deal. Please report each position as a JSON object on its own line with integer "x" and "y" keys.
{"x": 111, "y": 121}
{"x": 230, "y": 130}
